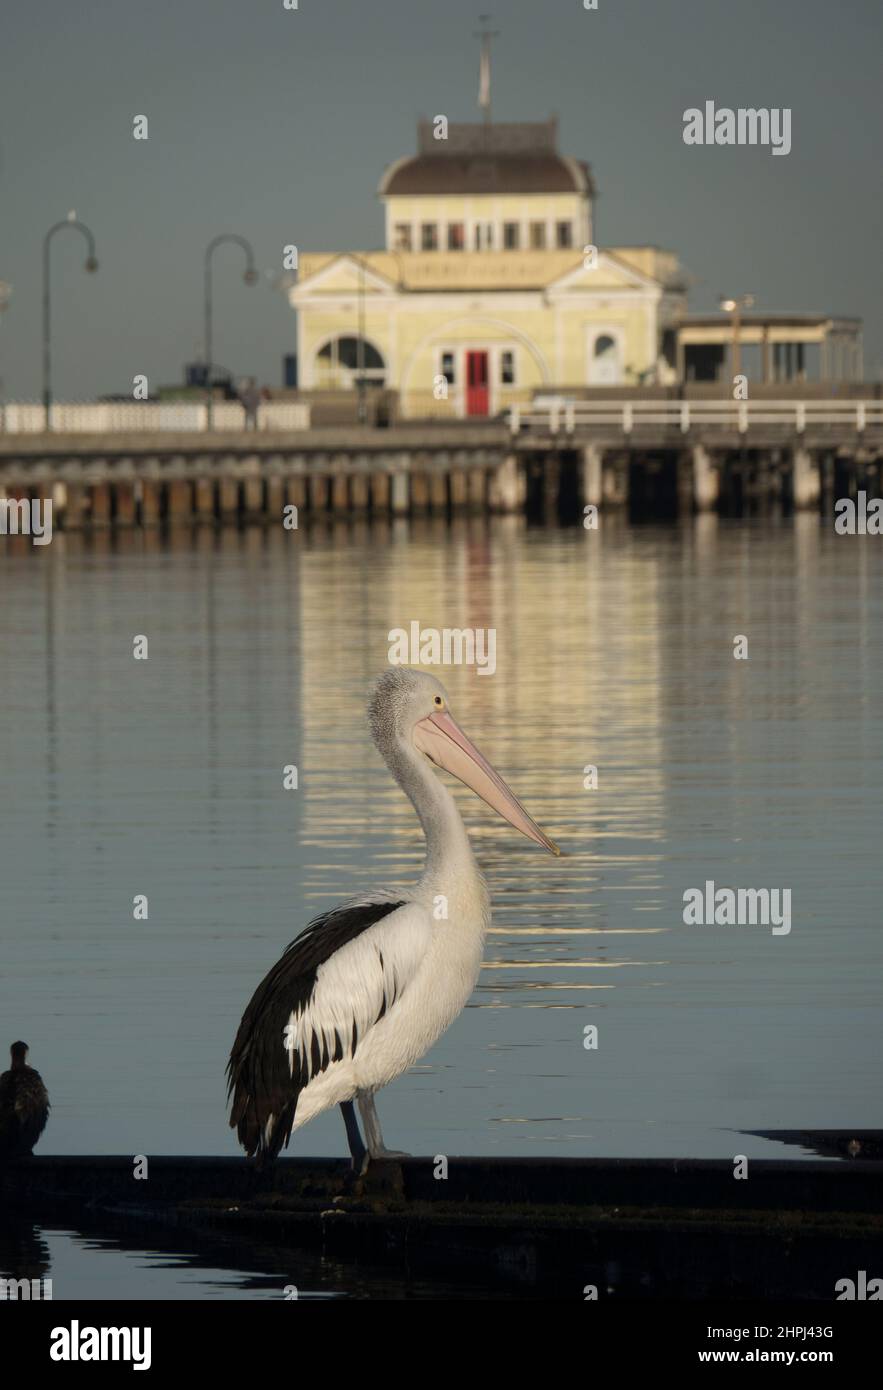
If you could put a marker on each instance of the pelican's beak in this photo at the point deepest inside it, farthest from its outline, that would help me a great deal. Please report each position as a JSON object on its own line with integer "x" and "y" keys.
{"x": 444, "y": 742}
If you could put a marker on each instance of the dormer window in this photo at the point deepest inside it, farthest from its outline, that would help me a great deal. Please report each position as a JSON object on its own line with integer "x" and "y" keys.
{"x": 401, "y": 236}
{"x": 537, "y": 236}
{"x": 429, "y": 236}
{"x": 564, "y": 235}
{"x": 511, "y": 236}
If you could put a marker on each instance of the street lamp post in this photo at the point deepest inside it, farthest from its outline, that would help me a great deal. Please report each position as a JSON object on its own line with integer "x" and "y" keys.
{"x": 91, "y": 265}
{"x": 5, "y": 293}
{"x": 360, "y": 346}
{"x": 735, "y": 307}
{"x": 250, "y": 277}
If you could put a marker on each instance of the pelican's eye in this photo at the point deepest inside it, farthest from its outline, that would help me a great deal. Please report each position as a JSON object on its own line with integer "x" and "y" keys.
{"x": 439, "y": 702}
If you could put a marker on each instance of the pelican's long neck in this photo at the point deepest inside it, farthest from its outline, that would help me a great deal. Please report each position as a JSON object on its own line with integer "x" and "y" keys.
{"x": 448, "y": 851}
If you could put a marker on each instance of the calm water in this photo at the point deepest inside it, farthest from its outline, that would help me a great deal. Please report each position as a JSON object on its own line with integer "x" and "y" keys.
{"x": 93, "y": 1265}
{"x": 164, "y": 777}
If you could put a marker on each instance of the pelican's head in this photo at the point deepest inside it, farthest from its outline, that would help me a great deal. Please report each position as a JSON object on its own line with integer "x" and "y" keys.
{"x": 18, "y": 1052}
{"x": 410, "y": 709}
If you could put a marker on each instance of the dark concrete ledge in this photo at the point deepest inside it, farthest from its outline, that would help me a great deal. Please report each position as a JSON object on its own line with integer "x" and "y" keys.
{"x": 780, "y": 1185}
{"x": 544, "y": 1227}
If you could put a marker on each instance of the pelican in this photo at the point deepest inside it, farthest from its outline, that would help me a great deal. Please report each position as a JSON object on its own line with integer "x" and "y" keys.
{"x": 368, "y": 987}
{"x": 24, "y": 1105}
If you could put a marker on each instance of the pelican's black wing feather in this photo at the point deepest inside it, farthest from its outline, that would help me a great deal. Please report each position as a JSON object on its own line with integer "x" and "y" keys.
{"x": 262, "y": 1080}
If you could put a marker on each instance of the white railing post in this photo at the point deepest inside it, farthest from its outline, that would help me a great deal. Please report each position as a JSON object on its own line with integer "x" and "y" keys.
{"x": 514, "y": 419}
{"x": 743, "y": 417}
{"x": 553, "y": 417}
{"x": 685, "y": 416}
{"x": 801, "y": 416}
{"x": 860, "y": 416}
{"x": 627, "y": 417}
{"x": 568, "y": 417}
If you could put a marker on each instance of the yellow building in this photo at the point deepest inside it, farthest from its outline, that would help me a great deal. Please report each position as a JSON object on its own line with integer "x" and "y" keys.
{"x": 490, "y": 289}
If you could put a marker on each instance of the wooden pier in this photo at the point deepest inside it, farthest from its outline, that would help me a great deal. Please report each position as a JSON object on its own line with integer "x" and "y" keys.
{"x": 658, "y": 458}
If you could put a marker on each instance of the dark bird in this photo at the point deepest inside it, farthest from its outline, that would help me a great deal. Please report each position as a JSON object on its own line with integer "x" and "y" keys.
{"x": 24, "y": 1105}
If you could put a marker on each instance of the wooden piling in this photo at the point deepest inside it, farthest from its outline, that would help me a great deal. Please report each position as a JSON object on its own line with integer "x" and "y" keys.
{"x": 124, "y": 504}
{"x": 228, "y": 498}
{"x": 180, "y": 504}
{"x": 254, "y": 496}
{"x": 205, "y": 499}
{"x": 74, "y": 506}
{"x": 340, "y": 492}
{"x": 359, "y": 492}
{"x": 476, "y": 487}
{"x": 100, "y": 504}
{"x": 318, "y": 487}
{"x": 419, "y": 494}
{"x": 296, "y": 491}
{"x": 438, "y": 493}
{"x": 150, "y": 502}
{"x": 379, "y": 484}
{"x": 458, "y": 490}
{"x": 275, "y": 490}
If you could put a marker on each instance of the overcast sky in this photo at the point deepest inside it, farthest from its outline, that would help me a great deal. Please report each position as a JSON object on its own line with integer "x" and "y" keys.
{"x": 277, "y": 124}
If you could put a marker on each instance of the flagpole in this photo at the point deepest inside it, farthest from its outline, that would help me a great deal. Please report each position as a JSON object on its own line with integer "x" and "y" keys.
{"x": 484, "y": 67}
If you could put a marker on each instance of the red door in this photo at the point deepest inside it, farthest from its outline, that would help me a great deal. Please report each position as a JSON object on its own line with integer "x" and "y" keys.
{"x": 477, "y": 402}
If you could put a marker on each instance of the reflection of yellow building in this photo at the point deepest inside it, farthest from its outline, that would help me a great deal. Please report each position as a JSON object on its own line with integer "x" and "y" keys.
{"x": 490, "y": 288}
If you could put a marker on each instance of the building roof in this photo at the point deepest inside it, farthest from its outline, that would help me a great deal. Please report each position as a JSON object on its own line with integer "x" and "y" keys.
{"x": 699, "y": 329}
{"x": 517, "y": 157}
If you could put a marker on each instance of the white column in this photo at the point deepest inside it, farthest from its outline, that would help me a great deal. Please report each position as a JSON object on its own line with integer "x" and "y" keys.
{"x": 400, "y": 494}
{"x": 504, "y": 486}
{"x": 805, "y": 479}
{"x": 706, "y": 480}
{"x": 592, "y": 475}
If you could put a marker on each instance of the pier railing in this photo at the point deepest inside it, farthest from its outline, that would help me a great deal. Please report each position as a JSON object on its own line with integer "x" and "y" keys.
{"x": 562, "y": 416}
{"x": 135, "y": 417}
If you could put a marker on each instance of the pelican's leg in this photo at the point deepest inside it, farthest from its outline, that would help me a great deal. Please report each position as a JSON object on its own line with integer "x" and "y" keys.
{"x": 373, "y": 1133}
{"x": 353, "y": 1137}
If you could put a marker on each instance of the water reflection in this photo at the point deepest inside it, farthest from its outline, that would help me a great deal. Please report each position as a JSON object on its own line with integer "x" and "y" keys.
{"x": 90, "y": 1264}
